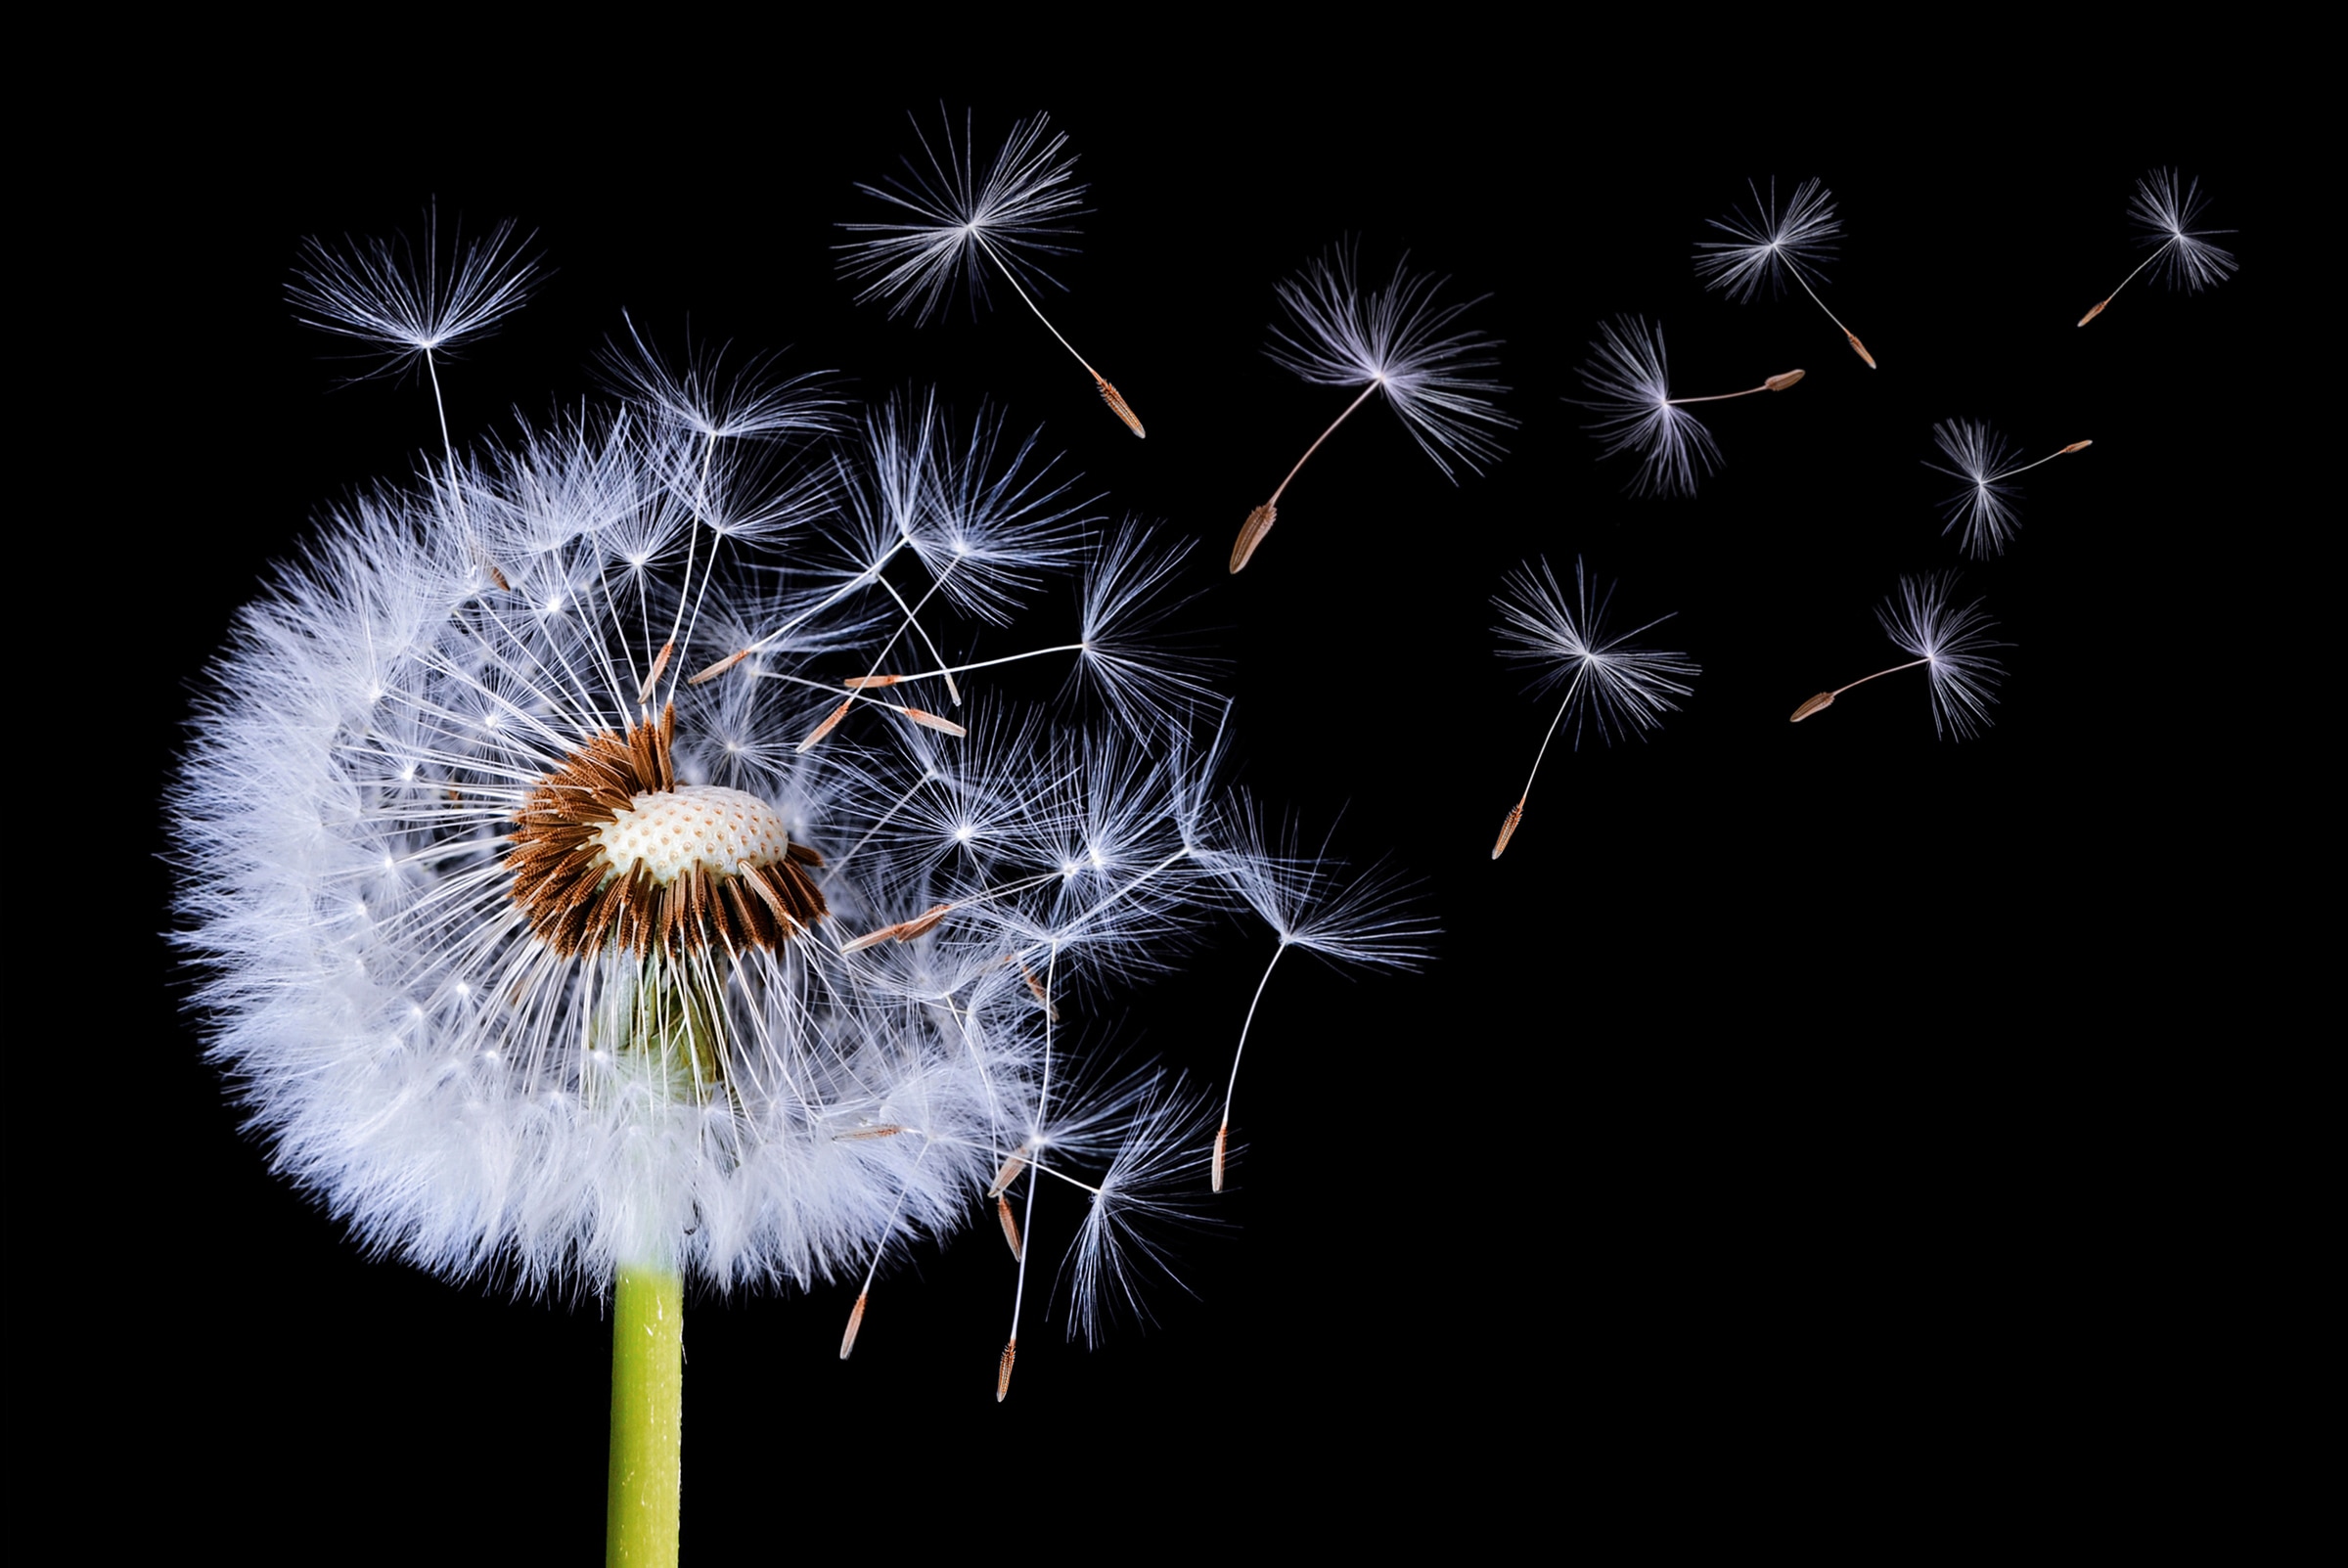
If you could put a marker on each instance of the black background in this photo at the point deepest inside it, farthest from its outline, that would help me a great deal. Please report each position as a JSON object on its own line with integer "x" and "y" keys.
{"x": 1776, "y": 1127}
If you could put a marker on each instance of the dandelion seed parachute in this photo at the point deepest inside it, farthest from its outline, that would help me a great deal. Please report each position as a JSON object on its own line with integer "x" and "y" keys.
{"x": 1628, "y": 385}
{"x": 1613, "y": 685}
{"x": 1012, "y": 216}
{"x": 1983, "y": 515}
{"x": 1399, "y": 340}
{"x": 1949, "y": 641}
{"x": 1770, "y": 243}
{"x": 2166, "y": 209}
{"x": 1311, "y": 905}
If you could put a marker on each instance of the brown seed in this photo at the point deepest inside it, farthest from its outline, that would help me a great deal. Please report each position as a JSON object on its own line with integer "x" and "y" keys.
{"x": 1012, "y": 1164}
{"x": 847, "y": 1341}
{"x": 870, "y": 939}
{"x": 1222, "y": 1135}
{"x": 1118, "y": 406}
{"x": 932, "y": 721}
{"x": 1002, "y": 1377}
{"x": 1036, "y": 987}
{"x": 498, "y": 577}
{"x": 651, "y": 679}
{"x": 864, "y": 683}
{"x": 1011, "y": 1226}
{"x": 2075, "y": 446}
{"x": 719, "y": 668}
{"x": 1823, "y": 699}
{"x": 1507, "y": 829}
{"x": 923, "y": 923}
{"x": 1251, "y": 534}
{"x": 2093, "y": 314}
{"x": 827, "y": 726}
{"x": 891, "y": 1130}
{"x": 1778, "y": 383}
{"x": 1860, "y": 346}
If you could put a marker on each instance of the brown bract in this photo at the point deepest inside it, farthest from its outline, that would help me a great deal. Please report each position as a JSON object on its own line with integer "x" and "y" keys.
{"x": 578, "y": 902}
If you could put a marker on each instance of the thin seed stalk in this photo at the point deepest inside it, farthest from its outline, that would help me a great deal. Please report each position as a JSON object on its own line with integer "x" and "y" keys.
{"x": 647, "y": 1402}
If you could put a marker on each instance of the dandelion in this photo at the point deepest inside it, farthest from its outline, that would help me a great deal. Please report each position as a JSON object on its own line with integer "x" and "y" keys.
{"x": 1953, "y": 646}
{"x": 537, "y": 948}
{"x": 1984, "y": 511}
{"x": 1629, "y": 384}
{"x": 1397, "y": 339}
{"x": 2165, "y": 214}
{"x": 1311, "y": 906}
{"x": 1613, "y": 686}
{"x": 1769, "y": 244}
{"x": 1016, "y": 213}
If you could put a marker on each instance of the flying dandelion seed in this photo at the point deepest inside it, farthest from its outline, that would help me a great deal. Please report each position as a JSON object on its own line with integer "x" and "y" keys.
{"x": 1397, "y": 339}
{"x": 2165, "y": 213}
{"x": 1629, "y": 388}
{"x": 1613, "y": 686}
{"x": 539, "y": 949}
{"x": 1983, "y": 514}
{"x": 1770, "y": 243}
{"x": 1313, "y": 906}
{"x": 1953, "y": 646}
{"x": 1014, "y": 215}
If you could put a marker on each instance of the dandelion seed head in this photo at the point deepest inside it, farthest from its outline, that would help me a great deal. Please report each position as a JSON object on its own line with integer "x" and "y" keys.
{"x": 525, "y": 948}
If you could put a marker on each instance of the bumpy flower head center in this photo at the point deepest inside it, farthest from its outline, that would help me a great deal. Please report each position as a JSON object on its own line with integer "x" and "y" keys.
{"x": 693, "y": 827}
{"x": 611, "y": 851}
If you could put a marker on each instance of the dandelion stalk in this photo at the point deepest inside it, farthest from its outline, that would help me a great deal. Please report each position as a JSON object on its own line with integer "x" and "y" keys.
{"x": 647, "y": 1402}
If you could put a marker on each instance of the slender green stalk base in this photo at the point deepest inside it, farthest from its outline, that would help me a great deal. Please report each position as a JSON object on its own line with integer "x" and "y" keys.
{"x": 647, "y": 1402}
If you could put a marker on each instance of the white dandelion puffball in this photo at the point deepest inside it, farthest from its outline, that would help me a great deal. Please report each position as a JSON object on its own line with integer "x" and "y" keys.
{"x": 586, "y": 872}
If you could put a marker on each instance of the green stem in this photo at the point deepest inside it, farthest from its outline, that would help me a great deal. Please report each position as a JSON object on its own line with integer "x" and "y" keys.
{"x": 647, "y": 1400}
